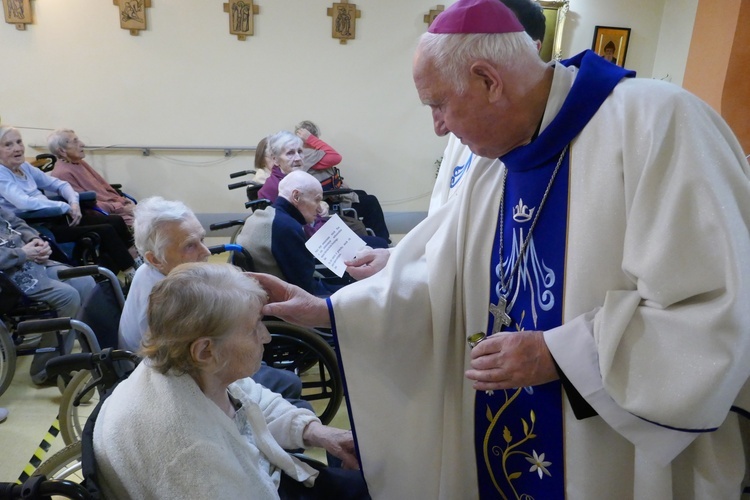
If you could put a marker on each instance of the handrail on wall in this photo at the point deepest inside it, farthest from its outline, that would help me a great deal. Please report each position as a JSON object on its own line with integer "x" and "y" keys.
{"x": 146, "y": 150}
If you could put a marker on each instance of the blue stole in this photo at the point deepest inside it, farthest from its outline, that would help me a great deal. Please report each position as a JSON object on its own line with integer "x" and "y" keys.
{"x": 519, "y": 432}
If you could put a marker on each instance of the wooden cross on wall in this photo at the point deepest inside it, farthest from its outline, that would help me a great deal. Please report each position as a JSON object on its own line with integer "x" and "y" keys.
{"x": 344, "y": 22}
{"x": 133, "y": 14}
{"x": 430, "y": 16}
{"x": 241, "y": 14}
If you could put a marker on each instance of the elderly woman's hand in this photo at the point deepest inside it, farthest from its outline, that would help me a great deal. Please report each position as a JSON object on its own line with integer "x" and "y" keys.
{"x": 37, "y": 251}
{"x": 337, "y": 442}
{"x": 74, "y": 214}
{"x": 303, "y": 134}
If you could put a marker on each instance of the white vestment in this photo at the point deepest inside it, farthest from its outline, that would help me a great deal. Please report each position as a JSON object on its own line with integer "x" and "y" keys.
{"x": 656, "y": 314}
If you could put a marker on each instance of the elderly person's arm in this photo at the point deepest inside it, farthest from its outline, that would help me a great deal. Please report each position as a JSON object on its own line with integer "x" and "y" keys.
{"x": 295, "y": 428}
{"x": 330, "y": 158}
{"x": 291, "y": 303}
{"x": 13, "y": 193}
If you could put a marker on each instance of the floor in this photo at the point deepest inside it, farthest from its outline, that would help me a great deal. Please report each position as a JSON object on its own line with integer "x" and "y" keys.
{"x": 33, "y": 413}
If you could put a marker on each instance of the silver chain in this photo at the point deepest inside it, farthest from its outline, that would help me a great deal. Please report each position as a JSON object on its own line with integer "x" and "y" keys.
{"x": 503, "y": 284}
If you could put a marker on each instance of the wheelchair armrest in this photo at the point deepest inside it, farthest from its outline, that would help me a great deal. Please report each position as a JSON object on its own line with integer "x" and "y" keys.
{"x": 87, "y": 196}
{"x": 42, "y": 213}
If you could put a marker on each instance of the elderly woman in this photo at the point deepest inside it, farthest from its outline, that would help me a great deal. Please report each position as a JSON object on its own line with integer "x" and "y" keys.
{"x": 71, "y": 168}
{"x": 24, "y": 258}
{"x": 190, "y": 423}
{"x": 20, "y": 190}
{"x": 285, "y": 150}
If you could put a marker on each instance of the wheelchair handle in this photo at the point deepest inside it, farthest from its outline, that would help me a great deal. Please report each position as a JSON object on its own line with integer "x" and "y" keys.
{"x": 240, "y": 174}
{"x": 223, "y": 225}
{"x": 258, "y": 204}
{"x": 77, "y": 272}
{"x": 69, "y": 363}
{"x": 55, "y": 324}
{"x": 239, "y": 184}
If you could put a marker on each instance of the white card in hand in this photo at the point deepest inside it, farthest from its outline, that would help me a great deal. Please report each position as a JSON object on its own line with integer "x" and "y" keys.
{"x": 334, "y": 243}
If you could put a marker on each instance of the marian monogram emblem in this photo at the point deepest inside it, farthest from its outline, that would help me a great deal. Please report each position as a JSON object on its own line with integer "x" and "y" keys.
{"x": 533, "y": 277}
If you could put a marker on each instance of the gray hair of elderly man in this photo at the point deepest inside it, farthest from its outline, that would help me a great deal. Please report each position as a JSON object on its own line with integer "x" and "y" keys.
{"x": 453, "y": 55}
{"x": 297, "y": 180}
{"x": 58, "y": 140}
{"x": 198, "y": 299}
{"x": 280, "y": 141}
{"x": 151, "y": 215}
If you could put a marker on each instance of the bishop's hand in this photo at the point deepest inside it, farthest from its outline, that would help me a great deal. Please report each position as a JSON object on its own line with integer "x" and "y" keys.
{"x": 508, "y": 360}
{"x": 291, "y": 303}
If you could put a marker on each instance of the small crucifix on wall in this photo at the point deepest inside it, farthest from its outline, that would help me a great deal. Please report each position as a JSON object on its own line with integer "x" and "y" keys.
{"x": 18, "y": 12}
{"x": 344, "y": 22}
{"x": 133, "y": 14}
{"x": 241, "y": 17}
{"x": 430, "y": 16}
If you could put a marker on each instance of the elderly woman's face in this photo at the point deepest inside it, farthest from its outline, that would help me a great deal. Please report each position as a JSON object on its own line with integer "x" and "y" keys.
{"x": 12, "y": 150}
{"x": 289, "y": 159}
{"x": 74, "y": 150}
{"x": 243, "y": 347}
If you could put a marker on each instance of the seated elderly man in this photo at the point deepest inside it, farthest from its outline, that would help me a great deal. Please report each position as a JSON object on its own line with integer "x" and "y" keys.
{"x": 168, "y": 234}
{"x": 70, "y": 167}
{"x": 275, "y": 237}
{"x": 204, "y": 429}
{"x": 24, "y": 258}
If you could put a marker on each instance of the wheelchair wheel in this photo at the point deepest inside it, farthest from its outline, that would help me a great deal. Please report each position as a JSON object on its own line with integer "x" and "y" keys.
{"x": 304, "y": 352}
{"x": 65, "y": 464}
{"x": 7, "y": 359}
{"x": 73, "y": 418}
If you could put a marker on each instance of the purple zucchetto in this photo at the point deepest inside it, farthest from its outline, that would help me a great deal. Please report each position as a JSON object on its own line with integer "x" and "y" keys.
{"x": 476, "y": 16}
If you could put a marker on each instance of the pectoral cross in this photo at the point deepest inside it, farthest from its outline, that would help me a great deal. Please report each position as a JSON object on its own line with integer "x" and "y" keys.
{"x": 499, "y": 314}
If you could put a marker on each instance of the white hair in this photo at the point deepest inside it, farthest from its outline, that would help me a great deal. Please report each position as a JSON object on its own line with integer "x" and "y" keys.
{"x": 452, "y": 55}
{"x": 280, "y": 141}
{"x": 58, "y": 140}
{"x": 151, "y": 215}
{"x": 297, "y": 180}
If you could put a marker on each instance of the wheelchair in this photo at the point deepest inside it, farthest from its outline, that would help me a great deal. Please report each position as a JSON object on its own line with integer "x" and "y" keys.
{"x": 307, "y": 352}
{"x": 19, "y": 336}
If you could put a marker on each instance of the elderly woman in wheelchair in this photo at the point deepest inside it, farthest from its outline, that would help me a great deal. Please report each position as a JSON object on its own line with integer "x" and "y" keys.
{"x": 21, "y": 188}
{"x": 24, "y": 260}
{"x": 190, "y": 423}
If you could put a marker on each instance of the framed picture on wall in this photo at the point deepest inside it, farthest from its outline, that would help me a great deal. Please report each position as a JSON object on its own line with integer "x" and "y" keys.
{"x": 611, "y": 43}
{"x": 554, "y": 15}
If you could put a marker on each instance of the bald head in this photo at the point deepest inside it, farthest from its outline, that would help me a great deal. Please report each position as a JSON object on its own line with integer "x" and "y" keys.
{"x": 303, "y": 191}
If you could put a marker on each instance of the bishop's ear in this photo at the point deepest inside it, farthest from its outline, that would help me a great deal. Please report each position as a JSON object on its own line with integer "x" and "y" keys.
{"x": 488, "y": 78}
